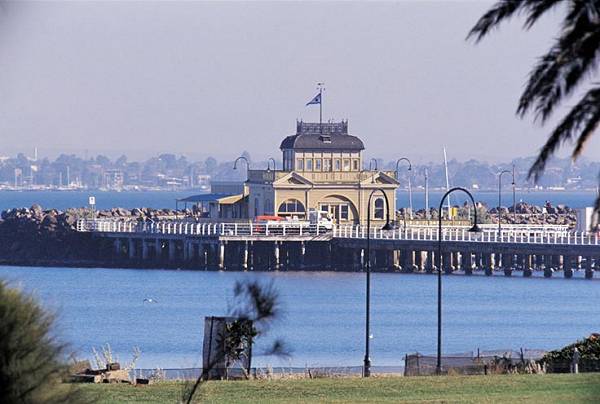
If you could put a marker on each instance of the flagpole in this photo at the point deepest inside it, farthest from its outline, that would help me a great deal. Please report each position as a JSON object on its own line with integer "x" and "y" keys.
{"x": 321, "y": 108}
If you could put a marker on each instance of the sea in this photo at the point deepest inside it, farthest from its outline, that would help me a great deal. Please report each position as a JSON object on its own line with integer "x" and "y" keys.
{"x": 322, "y": 319}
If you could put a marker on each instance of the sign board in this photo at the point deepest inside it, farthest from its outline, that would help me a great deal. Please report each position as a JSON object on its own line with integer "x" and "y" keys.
{"x": 92, "y": 200}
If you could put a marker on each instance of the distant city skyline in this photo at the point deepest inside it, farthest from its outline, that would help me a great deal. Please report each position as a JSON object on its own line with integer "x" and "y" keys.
{"x": 216, "y": 79}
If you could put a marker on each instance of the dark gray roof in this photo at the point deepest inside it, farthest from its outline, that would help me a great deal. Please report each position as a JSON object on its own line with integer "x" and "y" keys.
{"x": 317, "y": 142}
{"x": 204, "y": 198}
{"x": 326, "y": 136}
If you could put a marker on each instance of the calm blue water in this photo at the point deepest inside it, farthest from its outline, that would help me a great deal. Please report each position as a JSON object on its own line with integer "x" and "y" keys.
{"x": 324, "y": 321}
{"x": 166, "y": 199}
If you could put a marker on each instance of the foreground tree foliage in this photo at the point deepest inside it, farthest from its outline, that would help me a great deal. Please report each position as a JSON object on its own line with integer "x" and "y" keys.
{"x": 255, "y": 306}
{"x": 570, "y": 62}
{"x": 30, "y": 357}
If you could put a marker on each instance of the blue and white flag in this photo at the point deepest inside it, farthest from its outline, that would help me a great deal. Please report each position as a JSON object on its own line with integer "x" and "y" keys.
{"x": 316, "y": 100}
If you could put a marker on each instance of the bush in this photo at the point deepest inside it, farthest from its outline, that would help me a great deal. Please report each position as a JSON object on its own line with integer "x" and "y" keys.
{"x": 30, "y": 357}
{"x": 559, "y": 361}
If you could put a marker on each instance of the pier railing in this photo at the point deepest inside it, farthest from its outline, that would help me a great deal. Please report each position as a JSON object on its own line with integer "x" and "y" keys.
{"x": 520, "y": 235}
{"x": 186, "y": 228}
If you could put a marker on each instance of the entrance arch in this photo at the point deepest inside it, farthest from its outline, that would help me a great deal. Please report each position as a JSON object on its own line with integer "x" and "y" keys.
{"x": 341, "y": 208}
{"x": 292, "y": 207}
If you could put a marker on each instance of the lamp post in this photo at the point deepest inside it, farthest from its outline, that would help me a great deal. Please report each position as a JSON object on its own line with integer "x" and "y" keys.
{"x": 247, "y": 169}
{"x": 269, "y": 164}
{"x": 475, "y": 228}
{"x": 514, "y": 195}
{"x": 241, "y": 158}
{"x": 500, "y": 199}
{"x": 410, "y": 204}
{"x": 386, "y": 226}
{"x": 426, "y": 174}
{"x": 371, "y": 164}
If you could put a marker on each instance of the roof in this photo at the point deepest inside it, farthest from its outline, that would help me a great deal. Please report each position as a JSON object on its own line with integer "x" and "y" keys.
{"x": 222, "y": 199}
{"x": 204, "y": 198}
{"x": 325, "y": 136}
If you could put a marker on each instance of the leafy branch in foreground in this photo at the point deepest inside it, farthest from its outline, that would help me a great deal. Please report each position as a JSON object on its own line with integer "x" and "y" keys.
{"x": 31, "y": 368}
{"x": 254, "y": 309}
{"x": 570, "y": 61}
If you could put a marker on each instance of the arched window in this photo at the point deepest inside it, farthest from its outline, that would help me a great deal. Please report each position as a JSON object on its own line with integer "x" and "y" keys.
{"x": 379, "y": 208}
{"x": 291, "y": 207}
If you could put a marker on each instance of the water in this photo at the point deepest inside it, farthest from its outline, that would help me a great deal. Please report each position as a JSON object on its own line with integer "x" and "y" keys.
{"x": 166, "y": 199}
{"x": 324, "y": 322}
{"x": 324, "y": 312}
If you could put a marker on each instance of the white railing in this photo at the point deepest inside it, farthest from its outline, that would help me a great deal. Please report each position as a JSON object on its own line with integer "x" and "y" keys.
{"x": 520, "y": 236}
{"x": 202, "y": 229}
{"x": 489, "y": 235}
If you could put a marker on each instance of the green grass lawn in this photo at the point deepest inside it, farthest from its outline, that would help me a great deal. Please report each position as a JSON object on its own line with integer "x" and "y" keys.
{"x": 557, "y": 388}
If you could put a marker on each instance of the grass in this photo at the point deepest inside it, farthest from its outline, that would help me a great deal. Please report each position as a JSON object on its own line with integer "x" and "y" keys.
{"x": 555, "y": 388}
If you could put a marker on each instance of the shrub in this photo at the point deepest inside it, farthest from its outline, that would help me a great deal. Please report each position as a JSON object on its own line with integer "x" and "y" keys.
{"x": 30, "y": 357}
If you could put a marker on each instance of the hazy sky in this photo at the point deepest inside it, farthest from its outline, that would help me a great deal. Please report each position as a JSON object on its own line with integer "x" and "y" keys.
{"x": 219, "y": 78}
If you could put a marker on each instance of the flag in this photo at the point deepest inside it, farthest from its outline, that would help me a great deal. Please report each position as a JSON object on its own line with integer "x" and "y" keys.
{"x": 316, "y": 100}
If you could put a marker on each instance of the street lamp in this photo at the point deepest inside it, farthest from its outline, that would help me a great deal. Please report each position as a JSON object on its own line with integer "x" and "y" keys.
{"x": 241, "y": 158}
{"x": 514, "y": 195}
{"x": 500, "y": 198}
{"x": 371, "y": 164}
{"x": 386, "y": 226}
{"x": 475, "y": 228}
{"x": 426, "y": 174}
{"x": 410, "y": 204}
{"x": 269, "y": 164}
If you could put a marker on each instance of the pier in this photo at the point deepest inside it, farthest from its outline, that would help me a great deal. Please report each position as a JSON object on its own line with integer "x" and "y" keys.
{"x": 250, "y": 246}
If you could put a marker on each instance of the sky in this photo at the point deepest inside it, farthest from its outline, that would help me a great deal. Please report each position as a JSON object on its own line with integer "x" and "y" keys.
{"x": 217, "y": 79}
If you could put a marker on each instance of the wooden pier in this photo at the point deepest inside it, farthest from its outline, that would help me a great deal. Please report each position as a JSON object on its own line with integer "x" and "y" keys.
{"x": 252, "y": 246}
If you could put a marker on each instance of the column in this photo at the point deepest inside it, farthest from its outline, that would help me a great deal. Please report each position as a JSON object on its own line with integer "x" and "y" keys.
{"x": 276, "y": 254}
{"x": 489, "y": 263}
{"x": 431, "y": 264}
{"x": 447, "y": 262}
{"x": 466, "y": 262}
{"x": 118, "y": 247}
{"x": 158, "y": 249}
{"x": 221, "y": 255}
{"x": 568, "y": 266}
{"x": 419, "y": 262}
{"x": 186, "y": 250}
{"x": 172, "y": 252}
{"x": 548, "y": 266}
{"x": 245, "y": 257}
{"x": 528, "y": 266}
{"x": 508, "y": 263}
{"x": 132, "y": 252}
{"x": 144, "y": 250}
{"x": 303, "y": 255}
{"x": 589, "y": 269}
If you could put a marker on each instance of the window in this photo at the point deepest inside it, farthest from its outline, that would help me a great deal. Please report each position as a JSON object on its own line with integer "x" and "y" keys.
{"x": 344, "y": 215}
{"x": 324, "y": 208}
{"x": 346, "y": 164}
{"x": 355, "y": 164}
{"x": 299, "y": 165}
{"x": 291, "y": 206}
{"x": 309, "y": 164}
{"x": 317, "y": 164}
{"x": 327, "y": 165}
{"x": 337, "y": 165}
{"x": 379, "y": 205}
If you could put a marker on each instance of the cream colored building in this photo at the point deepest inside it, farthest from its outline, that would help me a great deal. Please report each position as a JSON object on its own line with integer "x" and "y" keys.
{"x": 322, "y": 170}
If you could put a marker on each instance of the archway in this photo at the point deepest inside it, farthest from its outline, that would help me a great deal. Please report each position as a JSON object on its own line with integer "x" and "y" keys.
{"x": 341, "y": 209}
